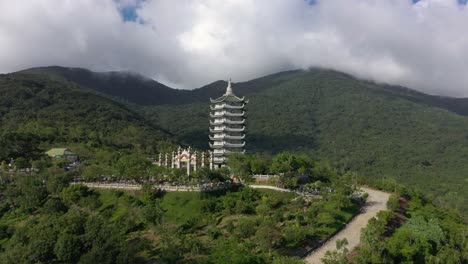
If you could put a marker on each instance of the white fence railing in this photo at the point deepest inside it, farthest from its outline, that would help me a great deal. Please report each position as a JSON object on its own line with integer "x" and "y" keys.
{"x": 167, "y": 188}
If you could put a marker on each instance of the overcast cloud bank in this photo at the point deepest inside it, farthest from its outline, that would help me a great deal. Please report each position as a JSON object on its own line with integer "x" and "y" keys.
{"x": 190, "y": 43}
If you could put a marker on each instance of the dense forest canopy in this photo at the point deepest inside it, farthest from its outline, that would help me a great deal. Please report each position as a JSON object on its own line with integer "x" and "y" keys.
{"x": 39, "y": 112}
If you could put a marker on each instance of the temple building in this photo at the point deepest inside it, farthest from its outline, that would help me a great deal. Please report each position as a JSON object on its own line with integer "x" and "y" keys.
{"x": 227, "y": 128}
{"x": 183, "y": 159}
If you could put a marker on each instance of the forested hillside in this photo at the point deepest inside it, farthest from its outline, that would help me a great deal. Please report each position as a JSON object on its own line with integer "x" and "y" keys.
{"x": 380, "y": 131}
{"x": 354, "y": 124}
{"x": 37, "y": 112}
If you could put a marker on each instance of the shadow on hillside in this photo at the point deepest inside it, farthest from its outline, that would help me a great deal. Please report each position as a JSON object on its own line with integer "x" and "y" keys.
{"x": 256, "y": 142}
{"x": 275, "y": 144}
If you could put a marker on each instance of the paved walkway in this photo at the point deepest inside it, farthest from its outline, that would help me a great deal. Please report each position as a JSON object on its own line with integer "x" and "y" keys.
{"x": 268, "y": 187}
{"x": 168, "y": 188}
{"x": 377, "y": 201}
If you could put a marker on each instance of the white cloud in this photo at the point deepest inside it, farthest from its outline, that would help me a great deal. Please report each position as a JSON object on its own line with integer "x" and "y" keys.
{"x": 193, "y": 42}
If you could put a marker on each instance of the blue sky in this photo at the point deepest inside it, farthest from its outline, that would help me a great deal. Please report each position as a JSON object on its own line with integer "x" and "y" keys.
{"x": 129, "y": 13}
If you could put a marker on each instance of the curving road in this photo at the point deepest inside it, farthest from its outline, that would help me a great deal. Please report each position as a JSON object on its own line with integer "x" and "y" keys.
{"x": 377, "y": 201}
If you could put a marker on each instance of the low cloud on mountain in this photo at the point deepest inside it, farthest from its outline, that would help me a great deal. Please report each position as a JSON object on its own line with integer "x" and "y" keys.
{"x": 420, "y": 44}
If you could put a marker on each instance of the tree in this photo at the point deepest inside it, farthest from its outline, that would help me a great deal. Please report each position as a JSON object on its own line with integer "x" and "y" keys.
{"x": 415, "y": 240}
{"x": 284, "y": 162}
{"x": 268, "y": 237}
{"x": 68, "y": 248}
{"x": 74, "y": 193}
{"x": 259, "y": 164}
{"x": 337, "y": 256}
{"x": 287, "y": 260}
{"x": 4, "y": 166}
{"x": 22, "y": 163}
{"x": 93, "y": 172}
{"x": 33, "y": 193}
{"x": 233, "y": 252}
{"x": 153, "y": 213}
{"x": 54, "y": 206}
{"x": 245, "y": 227}
{"x": 263, "y": 209}
{"x": 393, "y": 202}
{"x": 57, "y": 179}
{"x": 293, "y": 235}
{"x": 133, "y": 166}
{"x": 239, "y": 165}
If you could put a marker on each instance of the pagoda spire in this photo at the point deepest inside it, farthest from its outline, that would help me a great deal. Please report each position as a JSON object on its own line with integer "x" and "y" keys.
{"x": 229, "y": 88}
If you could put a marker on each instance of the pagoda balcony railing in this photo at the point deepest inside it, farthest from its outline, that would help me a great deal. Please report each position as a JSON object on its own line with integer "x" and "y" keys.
{"x": 227, "y": 121}
{"x": 219, "y": 160}
{"x": 226, "y": 152}
{"x": 226, "y": 136}
{"x": 226, "y": 106}
{"x": 233, "y": 145}
{"x": 227, "y": 129}
{"x": 225, "y": 113}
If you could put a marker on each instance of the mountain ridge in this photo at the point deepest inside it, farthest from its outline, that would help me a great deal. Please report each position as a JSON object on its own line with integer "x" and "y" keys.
{"x": 156, "y": 93}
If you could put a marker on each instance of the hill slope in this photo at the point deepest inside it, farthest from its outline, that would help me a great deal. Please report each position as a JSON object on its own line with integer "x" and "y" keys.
{"x": 377, "y": 130}
{"x": 37, "y": 112}
{"x": 357, "y": 125}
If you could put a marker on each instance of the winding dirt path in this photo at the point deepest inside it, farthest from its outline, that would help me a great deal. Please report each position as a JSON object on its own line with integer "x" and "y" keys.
{"x": 377, "y": 201}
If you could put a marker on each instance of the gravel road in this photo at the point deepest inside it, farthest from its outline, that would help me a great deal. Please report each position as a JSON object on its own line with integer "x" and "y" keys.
{"x": 377, "y": 201}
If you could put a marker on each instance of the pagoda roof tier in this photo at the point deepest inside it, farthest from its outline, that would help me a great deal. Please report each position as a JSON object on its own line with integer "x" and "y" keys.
{"x": 227, "y": 145}
{"x": 219, "y": 161}
{"x": 227, "y": 106}
{"x": 223, "y": 114}
{"x": 240, "y": 137}
{"x": 220, "y": 154}
{"x": 229, "y": 98}
{"x": 227, "y": 121}
{"x": 226, "y": 153}
{"x": 227, "y": 129}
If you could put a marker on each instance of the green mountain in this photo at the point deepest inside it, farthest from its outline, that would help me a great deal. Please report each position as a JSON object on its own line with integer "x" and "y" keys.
{"x": 38, "y": 112}
{"x": 379, "y": 131}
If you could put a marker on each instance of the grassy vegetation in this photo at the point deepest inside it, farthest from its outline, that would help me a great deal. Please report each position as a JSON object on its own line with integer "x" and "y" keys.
{"x": 189, "y": 206}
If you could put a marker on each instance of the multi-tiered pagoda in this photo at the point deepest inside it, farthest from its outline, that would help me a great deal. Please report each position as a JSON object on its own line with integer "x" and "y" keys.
{"x": 227, "y": 130}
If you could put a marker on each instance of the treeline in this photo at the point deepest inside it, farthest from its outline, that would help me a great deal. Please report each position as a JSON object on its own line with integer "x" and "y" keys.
{"x": 290, "y": 168}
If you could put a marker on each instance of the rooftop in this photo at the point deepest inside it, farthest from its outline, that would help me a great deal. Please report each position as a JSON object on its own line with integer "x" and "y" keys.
{"x": 59, "y": 152}
{"x": 229, "y": 96}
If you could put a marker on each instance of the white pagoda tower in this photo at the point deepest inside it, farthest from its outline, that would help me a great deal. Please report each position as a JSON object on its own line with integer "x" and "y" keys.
{"x": 227, "y": 129}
